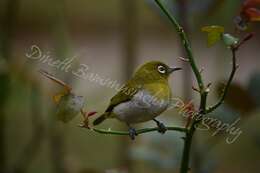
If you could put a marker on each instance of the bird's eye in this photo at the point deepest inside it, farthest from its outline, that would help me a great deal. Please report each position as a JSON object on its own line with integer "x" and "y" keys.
{"x": 161, "y": 69}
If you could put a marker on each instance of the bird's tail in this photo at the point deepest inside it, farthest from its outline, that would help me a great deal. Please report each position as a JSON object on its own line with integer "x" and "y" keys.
{"x": 100, "y": 119}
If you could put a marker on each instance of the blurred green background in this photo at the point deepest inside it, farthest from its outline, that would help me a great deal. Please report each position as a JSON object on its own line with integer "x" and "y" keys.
{"x": 113, "y": 38}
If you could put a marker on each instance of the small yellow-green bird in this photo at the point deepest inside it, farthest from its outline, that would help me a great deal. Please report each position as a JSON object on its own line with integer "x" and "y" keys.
{"x": 145, "y": 96}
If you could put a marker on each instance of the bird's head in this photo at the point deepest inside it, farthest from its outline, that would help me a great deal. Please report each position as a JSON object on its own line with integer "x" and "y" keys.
{"x": 155, "y": 70}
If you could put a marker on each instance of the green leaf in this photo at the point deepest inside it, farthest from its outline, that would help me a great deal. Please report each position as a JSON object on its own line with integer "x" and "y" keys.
{"x": 214, "y": 33}
{"x": 229, "y": 40}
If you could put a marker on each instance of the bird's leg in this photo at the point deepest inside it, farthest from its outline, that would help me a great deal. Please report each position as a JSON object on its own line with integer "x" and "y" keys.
{"x": 132, "y": 132}
{"x": 162, "y": 129}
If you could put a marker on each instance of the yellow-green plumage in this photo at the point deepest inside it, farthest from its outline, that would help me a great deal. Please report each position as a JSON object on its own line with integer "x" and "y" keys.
{"x": 131, "y": 104}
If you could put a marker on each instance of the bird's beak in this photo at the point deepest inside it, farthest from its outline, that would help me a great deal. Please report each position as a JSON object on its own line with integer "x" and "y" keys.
{"x": 172, "y": 69}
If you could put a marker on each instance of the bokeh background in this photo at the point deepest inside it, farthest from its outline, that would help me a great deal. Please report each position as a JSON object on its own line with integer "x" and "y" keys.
{"x": 113, "y": 38}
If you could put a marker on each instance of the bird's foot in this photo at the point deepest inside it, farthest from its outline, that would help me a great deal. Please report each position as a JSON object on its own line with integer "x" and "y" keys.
{"x": 161, "y": 127}
{"x": 132, "y": 133}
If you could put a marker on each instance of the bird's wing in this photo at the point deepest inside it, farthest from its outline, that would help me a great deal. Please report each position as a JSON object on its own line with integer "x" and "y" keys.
{"x": 124, "y": 95}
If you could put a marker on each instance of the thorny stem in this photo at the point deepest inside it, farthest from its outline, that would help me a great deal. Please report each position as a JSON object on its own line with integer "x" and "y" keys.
{"x": 185, "y": 43}
{"x": 232, "y": 74}
{"x": 224, "y": 93}
{"x": 189, "y": 133}
{"x": 139, "y": 131}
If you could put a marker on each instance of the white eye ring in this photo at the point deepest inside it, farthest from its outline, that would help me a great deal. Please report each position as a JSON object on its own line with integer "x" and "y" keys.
{"x": 161, "y": 69}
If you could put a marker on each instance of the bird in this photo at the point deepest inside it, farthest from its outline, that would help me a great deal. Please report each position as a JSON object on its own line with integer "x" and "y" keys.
{"x": 144, "y": 97}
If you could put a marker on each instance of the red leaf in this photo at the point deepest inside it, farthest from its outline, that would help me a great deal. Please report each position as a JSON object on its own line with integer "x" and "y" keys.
{"x": 251, "y": 3}
{"x": 252, "y": 14}
{"x": 251, "y": 10}
{"x": 91, "y": 113}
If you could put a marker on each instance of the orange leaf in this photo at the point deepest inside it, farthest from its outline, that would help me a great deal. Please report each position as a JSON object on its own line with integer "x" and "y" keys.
{"x": 56, "y": 98}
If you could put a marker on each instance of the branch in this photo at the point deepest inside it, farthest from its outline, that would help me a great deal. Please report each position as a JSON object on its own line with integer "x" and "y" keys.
{"x": 234, "y": 49}
{"x": 203, "y": 94}
{"x": 224, "y": 93}
{"x": 139, "y": 131}
{"x": 185, "y": 43}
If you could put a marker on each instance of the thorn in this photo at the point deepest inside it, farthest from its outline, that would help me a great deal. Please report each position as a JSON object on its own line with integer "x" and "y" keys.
{"x": 195, "y": 89}
{"x": 209, "y": 85}
{"x": 180, "y": 30}
{"x": 237, "y": 66}
{"x": 84, "y": 126}
{"x": 82, "y": 113}
{"x": 207, "y": 90}
{"x": 201, "y": 70}
{"x": 184, "y": 59}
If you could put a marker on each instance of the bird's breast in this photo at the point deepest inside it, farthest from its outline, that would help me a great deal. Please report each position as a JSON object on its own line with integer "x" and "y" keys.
{"x": 145, "y": 105}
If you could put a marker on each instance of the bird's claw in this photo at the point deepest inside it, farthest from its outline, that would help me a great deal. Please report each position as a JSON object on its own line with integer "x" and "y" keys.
{"x": 161, "y": 128}
{"x": 132, "y": 133}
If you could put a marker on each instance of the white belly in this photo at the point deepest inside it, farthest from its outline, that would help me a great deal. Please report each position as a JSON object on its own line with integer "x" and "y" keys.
{"x": 143, "y": 107}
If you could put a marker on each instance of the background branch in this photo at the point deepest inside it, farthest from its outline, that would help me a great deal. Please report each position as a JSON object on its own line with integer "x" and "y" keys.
{"x": 38, "y": 133}
{"x": 7, "y": 31}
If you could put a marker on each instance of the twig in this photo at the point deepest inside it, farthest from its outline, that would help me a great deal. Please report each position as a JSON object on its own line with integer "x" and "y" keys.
{"x": 243, "y": 40}
{"x": 139, "y": 131}
{"x": 85, "y": 124}
{"x": 224, "y": 93}
{"x": 185, "y": 43}
{"x": 234, "y": 49}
